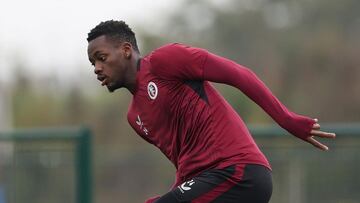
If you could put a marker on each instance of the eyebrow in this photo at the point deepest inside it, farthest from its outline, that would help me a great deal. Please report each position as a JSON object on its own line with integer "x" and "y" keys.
{"x": 96, "y": 53}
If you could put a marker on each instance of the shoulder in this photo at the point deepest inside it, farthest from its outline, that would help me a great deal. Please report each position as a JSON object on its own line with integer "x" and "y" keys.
{"x": 169, "y": 52}
{"x": 172, "y": 47}
{"x": 175, "y": 54}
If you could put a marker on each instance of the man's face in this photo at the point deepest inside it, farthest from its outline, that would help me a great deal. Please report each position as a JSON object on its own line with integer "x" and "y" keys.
{"x": 109, "y": 61}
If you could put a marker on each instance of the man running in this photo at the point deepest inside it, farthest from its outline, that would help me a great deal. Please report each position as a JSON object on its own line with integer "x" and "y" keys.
{"x": 175, "y": 108}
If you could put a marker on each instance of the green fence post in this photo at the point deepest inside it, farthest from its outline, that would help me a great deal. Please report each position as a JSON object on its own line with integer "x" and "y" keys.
{"x": 83, "y": 167}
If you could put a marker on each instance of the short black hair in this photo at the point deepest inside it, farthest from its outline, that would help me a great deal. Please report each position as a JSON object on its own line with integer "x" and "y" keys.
{"x": 117, "y": 30}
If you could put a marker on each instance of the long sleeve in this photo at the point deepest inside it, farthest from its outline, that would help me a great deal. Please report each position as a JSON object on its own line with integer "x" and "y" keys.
{"x": 182, "y": 62}
{"x": 221, "y": 70}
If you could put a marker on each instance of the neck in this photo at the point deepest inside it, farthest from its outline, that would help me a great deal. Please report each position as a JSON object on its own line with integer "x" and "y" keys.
{"x": 134, "y": 68}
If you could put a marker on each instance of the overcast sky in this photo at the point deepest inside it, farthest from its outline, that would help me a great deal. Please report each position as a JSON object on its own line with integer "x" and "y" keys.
{"x": 49, "y": 36}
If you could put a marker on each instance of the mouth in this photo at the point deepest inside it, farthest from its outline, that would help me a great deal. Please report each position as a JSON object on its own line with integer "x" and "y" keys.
{"x": 102, "y": 79}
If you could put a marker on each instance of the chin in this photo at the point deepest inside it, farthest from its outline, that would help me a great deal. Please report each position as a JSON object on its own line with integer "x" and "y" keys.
{"x": 112, "y": 87}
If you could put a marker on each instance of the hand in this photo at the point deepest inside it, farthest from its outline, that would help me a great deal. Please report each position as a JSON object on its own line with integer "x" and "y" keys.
{"x": 315, "y": 132}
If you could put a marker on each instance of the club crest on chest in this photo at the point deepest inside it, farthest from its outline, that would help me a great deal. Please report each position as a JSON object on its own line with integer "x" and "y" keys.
{"x": 152, "y": 90}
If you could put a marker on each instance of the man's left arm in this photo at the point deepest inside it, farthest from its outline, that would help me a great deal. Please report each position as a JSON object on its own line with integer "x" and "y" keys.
{"x": 222, "y": 70}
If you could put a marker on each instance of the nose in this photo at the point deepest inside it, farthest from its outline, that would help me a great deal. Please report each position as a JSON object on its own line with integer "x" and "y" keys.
{"x": 98, "y": 68}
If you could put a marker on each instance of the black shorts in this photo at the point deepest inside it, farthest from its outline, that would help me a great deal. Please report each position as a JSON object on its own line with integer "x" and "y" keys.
{"x": 241, "y": 183}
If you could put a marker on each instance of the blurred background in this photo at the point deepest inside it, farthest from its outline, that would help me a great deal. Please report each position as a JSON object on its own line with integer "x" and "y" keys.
{"x": 307, "y": 52}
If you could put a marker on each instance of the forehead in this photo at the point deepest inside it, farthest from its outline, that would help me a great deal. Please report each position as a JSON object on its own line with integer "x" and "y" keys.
{"x": 101, "y": 43}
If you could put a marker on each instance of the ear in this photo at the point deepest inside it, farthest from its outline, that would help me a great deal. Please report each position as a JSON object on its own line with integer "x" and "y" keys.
{"x": 127, "y": 49}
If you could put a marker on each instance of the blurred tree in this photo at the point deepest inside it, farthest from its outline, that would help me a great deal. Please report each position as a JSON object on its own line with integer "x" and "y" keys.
{"x": 305, "y": 51}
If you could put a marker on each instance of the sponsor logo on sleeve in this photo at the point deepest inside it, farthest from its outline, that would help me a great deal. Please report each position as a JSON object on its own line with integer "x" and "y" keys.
{"x": 186, "y": 186}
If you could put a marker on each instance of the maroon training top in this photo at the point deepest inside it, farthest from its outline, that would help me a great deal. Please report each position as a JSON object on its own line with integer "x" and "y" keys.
{"x": 175, "y": 108}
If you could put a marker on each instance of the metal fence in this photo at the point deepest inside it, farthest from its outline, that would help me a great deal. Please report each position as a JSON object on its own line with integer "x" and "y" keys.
{"x": 45, "y": 165}
{"x": 304, "y": 174}
{"x": 54, "y": 165}
{"x": 301, "y": 172}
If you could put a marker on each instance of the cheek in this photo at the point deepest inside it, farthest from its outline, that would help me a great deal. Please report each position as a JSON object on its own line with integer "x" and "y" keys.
{"x": 115, "y": 62}
{"x": 116, "y": 68}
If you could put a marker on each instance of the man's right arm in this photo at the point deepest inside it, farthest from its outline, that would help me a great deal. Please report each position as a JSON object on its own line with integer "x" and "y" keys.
{"x": 182, "y": 62}
{"x": 222, "y": 70}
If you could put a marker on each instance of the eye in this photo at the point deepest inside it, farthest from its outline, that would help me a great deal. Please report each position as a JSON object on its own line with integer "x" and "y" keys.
{"x": 102, "y": 58}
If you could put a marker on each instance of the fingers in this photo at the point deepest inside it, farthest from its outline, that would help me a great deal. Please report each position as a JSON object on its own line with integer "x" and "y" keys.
{"x": 323, "y": 134}
{"x": 317, "y": 144}
{"x": 317, "y": 132}
{"x": 316, "y": 126}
